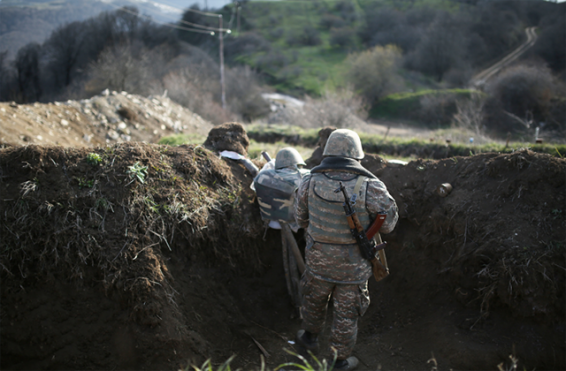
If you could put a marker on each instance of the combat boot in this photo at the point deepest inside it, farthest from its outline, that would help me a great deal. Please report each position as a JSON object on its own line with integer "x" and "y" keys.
{"x": 349, "y": 363}
{"x": 307, "y": 340}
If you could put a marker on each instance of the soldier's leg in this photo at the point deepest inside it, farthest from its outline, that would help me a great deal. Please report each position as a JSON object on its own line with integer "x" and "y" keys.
{"x": 314, "y": 302}
{"x": 350, "y": 303}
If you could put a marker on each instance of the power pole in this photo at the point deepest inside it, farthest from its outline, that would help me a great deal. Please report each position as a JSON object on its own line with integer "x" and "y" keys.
{"x": 222, "y": 61}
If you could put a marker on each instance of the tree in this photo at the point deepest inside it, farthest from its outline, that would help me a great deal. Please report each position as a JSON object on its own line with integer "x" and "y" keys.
{"x": 440, "y": 49}
{"x": 373, "y": 73}
{"x": 28, "y": 73}
{"x": 64, "y": 48}
{"x": 123, "y": 67}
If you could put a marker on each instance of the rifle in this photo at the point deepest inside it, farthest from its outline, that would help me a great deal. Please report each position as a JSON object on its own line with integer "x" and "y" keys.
{"x": 364, "y": 239}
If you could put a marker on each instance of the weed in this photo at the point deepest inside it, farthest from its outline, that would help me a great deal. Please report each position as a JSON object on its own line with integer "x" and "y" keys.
{"x": 306, "y": 366}
{"x": 29, "y": 186}
{"x": 137, "y": 171}
{"x": 104, "y": 204}
{"x": 557, "y": 213}
{"x": 152, "y": 205}
{"x": 83, "y": 183}
{"x": 93, "y": 159}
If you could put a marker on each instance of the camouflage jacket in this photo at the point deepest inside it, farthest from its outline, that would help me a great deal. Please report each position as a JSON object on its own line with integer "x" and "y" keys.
{"x": 341, "y": 262}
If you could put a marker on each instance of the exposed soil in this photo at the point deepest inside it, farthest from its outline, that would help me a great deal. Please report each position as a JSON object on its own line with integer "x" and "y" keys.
{"x": 103, "y": 271}
{"x": 108, "y": 118}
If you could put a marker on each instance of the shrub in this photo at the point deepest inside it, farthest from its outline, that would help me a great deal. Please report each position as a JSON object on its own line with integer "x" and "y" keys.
{"x": 329, "y": 21}
{"x": 341, "y": 37}
{"x": 338, "y": 109}
{"x": 245, "y": 44}
{"x": 272, "y": 61}
{"x": 436, "y": 110}
{"x": 308, "y": 36}
{"x": 522, "y": 97}
{"x": 373, "y": 73}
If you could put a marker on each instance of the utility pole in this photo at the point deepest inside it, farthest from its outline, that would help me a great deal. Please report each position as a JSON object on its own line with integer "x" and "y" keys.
{"x": 222, "y": 61}
{"x": 238, "y": 15}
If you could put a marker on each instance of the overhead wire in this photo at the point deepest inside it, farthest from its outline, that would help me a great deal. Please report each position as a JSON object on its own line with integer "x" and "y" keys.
{"x": 202, "y": 29}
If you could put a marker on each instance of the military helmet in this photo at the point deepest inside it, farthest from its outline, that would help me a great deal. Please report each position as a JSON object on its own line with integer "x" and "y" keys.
{"x": 288, "y": 157}
{"x": 344, "y": 143}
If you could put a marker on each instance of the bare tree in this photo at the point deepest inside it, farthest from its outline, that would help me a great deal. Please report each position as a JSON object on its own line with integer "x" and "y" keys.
{"x": 470, "y": 114}
{"x": 122, "y": 68}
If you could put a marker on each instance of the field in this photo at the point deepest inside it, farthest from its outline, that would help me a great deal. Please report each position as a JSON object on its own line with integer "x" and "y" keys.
{"x": 132, "y": 255}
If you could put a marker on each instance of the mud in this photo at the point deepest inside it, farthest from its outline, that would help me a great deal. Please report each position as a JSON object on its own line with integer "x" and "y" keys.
{"x": 102, "y": 271}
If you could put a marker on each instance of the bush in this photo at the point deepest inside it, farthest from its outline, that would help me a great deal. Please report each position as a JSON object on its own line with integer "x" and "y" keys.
{"x": 522, "y": 97}
{"x": 337, "y": 109}
{"x": 434, "y": 108}
{"x": 329, "y": 21}
{"x": 308, "y": 36}
{"x": 246, "y": 44}
{"x": 342, "y": 37}
{"x": 272, "y": 61}
{"x": 373, "y": 73}
{"x": 437, "y": 110}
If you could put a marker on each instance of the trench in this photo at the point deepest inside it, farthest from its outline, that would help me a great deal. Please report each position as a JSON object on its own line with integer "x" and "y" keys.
{"x": 431, "y": 306}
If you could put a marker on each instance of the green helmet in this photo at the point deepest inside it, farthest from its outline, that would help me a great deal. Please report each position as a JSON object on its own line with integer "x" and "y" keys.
{"x": 344, "y": 143}
{"x": 288, "y": 157}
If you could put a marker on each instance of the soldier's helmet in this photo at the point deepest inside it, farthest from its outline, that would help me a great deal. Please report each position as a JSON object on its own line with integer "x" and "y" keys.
{"x": 344, "y": 143}
{"x": 288, "y": 157}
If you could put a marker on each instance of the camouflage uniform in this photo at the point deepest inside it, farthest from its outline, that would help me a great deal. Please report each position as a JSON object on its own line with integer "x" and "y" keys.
{"x": 334, "y": 263}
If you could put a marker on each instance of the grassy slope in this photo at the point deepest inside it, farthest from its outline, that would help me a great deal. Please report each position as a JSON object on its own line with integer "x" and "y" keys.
{"x": 321, "y": 67}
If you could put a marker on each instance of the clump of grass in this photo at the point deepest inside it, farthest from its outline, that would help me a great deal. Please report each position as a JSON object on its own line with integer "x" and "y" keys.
{"x": 137, "y": 171}
{"x": 93, "y": 159}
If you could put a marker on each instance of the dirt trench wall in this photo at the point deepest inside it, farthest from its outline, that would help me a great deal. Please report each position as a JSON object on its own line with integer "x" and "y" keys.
{"x": 89, "y": 242}
{"x": 105, "y": 264}
{"x": 497, "y": 237}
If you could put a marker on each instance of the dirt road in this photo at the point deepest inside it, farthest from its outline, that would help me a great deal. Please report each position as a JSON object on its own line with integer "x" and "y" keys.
{"x": 481, "y": 78}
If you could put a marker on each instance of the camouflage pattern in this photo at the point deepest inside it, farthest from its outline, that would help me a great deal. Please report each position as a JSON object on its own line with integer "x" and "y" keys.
{"x": 327, "y": 222}
{"x": 349, "y": 301}
{"x": 338, "y": 262}
{"x": 275, "y": 191}
{"x": 344, "y": 143}
{"x": 288, "y": 157}
{"x": 334, "y": 269}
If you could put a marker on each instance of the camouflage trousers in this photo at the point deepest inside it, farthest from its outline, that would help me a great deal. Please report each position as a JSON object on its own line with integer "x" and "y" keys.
{"x": 350, "y": 301}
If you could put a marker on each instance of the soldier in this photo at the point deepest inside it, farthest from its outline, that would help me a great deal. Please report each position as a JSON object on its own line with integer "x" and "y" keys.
{"x": 334, "y": 264}
{"x": 275, "y": 186}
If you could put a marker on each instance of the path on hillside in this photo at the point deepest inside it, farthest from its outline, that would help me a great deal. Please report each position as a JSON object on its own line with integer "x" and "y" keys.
{"x": 482, "y": 77}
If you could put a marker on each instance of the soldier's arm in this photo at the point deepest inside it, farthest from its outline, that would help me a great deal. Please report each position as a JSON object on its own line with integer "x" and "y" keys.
{"x": 302, "y": 202}
{"x": 379, "y": 201}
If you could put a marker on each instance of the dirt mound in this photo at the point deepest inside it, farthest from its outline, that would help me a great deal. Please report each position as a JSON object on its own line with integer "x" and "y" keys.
{"x": 107, "y": 118}
{"x": 105, "y": 226}
{"x": 230, "y": 136}
{"x": 140, "y": 256}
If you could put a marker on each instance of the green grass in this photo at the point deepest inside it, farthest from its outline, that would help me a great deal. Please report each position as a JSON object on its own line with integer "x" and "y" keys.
{"x": 404, "y": 105}
{"x": 402, "y": 147}
{"x": 177, "y": 140}
{"x": 272, "y": 138}
{"x": 322, "y": 66}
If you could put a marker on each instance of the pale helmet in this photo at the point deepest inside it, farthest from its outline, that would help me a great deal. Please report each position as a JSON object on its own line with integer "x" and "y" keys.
{"x": 288, "y": 157}
{"x": 344, "y": 143}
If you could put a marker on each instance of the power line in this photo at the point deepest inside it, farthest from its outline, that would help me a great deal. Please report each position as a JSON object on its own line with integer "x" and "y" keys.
{"x": 166, "y": 24}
